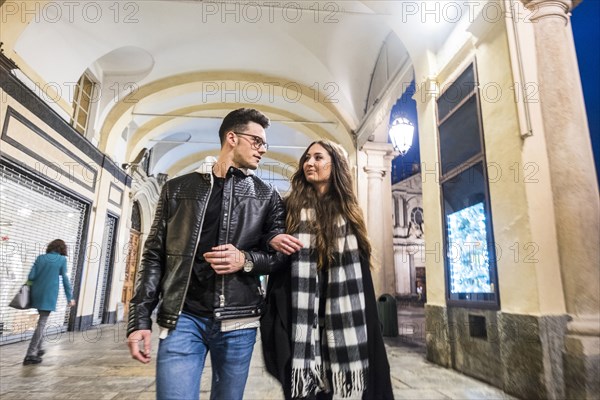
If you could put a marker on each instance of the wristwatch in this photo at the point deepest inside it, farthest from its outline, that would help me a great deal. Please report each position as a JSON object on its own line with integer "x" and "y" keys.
{"x": 248, "y": 263}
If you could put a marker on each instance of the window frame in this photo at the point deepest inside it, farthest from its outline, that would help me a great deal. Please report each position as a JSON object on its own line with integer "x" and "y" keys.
{"x": 77, "y": 103}
{"x": 453, "y": 172}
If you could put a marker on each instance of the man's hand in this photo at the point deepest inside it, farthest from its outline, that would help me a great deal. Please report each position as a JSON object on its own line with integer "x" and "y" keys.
{"x": 225, "y": 259}
{"x": 286, "y": 244}
{"x": 135, "y": 340}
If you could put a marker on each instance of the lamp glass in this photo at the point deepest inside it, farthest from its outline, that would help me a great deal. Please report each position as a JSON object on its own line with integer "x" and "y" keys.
{"x": 401, "y": 134}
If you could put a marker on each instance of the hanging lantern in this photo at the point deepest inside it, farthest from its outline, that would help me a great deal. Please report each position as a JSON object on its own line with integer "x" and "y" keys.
{"x": 401, "y": 133}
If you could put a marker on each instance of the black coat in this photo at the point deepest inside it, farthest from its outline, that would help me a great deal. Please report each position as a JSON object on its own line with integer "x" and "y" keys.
{"x": 276, "y": 327}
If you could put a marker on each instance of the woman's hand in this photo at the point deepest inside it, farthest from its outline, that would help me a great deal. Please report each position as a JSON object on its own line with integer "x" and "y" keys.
{"x": 72, "y": 303}
{"x": 286, "y": 244}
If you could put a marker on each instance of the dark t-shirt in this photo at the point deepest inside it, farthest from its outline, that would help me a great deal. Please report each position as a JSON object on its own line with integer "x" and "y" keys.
{"x": 323, "y": 283}
{"x": 199, "y": 299}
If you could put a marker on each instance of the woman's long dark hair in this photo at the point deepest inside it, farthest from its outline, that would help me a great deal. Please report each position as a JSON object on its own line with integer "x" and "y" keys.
{"x": 339, "y": 200}
{"x": 57, "y": 246}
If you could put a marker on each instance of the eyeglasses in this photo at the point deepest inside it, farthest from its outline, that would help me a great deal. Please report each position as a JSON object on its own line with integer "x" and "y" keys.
{"x": 256, "y": 142}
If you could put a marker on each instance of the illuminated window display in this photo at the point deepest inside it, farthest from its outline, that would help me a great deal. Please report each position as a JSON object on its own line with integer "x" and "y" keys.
{"x": 471, "y": 276}
{"x": 468, "y": 253}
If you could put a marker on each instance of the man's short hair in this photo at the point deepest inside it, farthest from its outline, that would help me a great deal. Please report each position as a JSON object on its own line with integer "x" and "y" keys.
{"x": 238, "y": 119}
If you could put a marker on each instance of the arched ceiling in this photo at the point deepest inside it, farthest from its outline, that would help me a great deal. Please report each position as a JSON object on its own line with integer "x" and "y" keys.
{"x": 167, "y": 71}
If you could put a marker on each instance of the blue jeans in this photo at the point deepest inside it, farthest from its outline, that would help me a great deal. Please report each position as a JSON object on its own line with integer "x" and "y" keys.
{"x": 182, "y": 353}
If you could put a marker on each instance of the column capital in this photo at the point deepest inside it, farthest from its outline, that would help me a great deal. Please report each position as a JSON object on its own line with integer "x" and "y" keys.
{"x": 375, "y": 172}
{"x": 379, "y": 158}
{"x": 549, "y": 8}
{"x": 379, "y": 148}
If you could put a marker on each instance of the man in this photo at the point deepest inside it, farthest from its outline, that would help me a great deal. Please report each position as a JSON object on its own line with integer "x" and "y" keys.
{"x": 202, "y": 259}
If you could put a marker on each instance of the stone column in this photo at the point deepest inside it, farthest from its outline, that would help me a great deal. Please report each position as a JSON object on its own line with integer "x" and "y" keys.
{"x": 379, "y": 214}
{"x": 402, "y": 263}
{"x": 574, "y": 188}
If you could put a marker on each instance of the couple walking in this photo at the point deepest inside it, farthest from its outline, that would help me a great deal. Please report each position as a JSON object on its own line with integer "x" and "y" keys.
{"x": 212, "y": 238}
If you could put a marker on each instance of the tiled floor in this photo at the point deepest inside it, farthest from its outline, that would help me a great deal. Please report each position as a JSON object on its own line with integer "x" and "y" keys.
{"x": 96, "y": 365}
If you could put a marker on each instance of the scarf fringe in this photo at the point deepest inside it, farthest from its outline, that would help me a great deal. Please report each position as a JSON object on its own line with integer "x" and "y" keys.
{"x": 356, "y": 385}
{"x": 307, "y": 381}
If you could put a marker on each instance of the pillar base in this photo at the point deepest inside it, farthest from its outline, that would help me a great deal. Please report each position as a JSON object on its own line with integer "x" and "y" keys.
{"x": 582, "y": 359}
{"x": 531, "y": 350}
{"x": 436, "y": 336}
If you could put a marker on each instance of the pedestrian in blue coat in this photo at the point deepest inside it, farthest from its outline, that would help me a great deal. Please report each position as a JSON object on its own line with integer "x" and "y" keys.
{"x": 44, "y": 277}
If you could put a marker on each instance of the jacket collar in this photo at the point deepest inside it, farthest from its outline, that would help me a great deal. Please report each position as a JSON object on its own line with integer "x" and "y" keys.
{"x": 207, "y": 164}
{"x": 239, "y": 172}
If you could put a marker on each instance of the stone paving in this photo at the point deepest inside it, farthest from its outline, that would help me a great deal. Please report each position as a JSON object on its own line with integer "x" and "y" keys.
{"x": 96, "y": 365}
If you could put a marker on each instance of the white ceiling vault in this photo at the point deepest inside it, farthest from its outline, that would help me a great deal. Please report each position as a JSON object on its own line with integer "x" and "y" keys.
{"x": 168, "y": 71}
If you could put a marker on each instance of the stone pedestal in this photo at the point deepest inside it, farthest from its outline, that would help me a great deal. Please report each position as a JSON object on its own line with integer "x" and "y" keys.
{"x": 519, "y": 353}
{"x": 582, "y": 359}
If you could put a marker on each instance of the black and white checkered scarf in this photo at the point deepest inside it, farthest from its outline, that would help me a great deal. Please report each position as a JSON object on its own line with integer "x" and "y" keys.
{"x": 344, "y": 355}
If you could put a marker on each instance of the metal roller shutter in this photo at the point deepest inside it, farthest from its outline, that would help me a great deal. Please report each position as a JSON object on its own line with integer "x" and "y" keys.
{"x": 31, "y": 215}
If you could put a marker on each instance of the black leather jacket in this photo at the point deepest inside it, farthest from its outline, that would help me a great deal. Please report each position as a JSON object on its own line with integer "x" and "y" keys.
{"x": 252, "y": 214}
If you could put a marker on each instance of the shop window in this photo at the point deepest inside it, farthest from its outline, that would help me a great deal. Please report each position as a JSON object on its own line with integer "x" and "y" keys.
{"x": 470, "y": 262}
{"x": 82, "y": 103}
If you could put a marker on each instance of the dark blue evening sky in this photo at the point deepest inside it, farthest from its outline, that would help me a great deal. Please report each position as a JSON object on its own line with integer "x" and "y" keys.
{"x": 586, "y": 31}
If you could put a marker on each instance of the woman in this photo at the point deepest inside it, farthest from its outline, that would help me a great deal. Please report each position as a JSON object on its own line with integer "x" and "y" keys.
{"x": 44, "y": 292}
{"x": 334, "y": 345}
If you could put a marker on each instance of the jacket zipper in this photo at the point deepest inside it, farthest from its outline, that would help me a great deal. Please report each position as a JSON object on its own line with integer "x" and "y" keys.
{"x": 222, "y": 296}
{"x": 187, "y": 285}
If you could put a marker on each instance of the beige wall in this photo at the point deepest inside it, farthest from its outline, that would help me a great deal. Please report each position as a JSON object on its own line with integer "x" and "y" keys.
{"x": 520, "y": 196}
{"x": 520, "y": 191}
{"x": 15, "y": 16}
{"x": 434, "y": 257}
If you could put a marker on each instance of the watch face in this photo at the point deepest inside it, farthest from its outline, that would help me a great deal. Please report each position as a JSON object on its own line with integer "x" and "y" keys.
{"x": 248, "y": 264}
